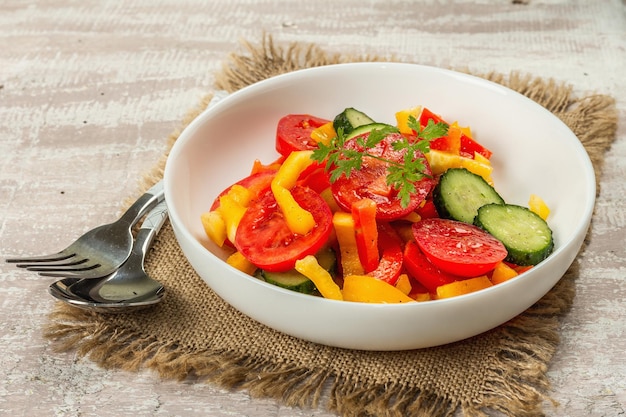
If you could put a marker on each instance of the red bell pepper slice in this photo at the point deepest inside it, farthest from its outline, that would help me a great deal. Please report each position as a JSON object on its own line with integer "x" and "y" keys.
{"x": 366, "y": 232}
{"x": 469, "y": 146}
{"x": 391, "y": 257}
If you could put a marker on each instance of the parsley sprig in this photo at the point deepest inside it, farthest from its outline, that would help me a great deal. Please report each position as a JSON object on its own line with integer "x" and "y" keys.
{"x": 403, "y": 175}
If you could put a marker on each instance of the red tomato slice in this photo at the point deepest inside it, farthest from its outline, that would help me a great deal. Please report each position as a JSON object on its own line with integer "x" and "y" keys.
{"x": 293, "y": 133}
{"x": 424, "y": 272}
{"x": 458, "y": 248}
{"x": 264, "y": 238}
{"x": 428, "y": 210}
{"x": 371, "y": 182}
{"x": 390, "y": 248}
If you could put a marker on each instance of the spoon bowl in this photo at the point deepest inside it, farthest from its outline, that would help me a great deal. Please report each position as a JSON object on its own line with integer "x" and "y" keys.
{"x": 109, "y": 294}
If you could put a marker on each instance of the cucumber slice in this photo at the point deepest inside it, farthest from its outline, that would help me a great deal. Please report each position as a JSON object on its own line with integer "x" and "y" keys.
{"x": 368, "y": 128}
{"x": 460, "y": 193}
{"x": 327, "y": 258}
{"x": 350, "y": 119}
{"x": 295, "y": 281}
{"x": 525, "y": 235}
{"x": 291, "y": 280}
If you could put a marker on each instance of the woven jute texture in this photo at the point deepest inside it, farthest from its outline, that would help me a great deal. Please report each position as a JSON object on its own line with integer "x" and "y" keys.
{"x": 194, "y": 335}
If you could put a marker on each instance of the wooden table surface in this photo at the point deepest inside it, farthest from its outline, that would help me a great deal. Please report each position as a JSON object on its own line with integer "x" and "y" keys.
{"x": 89, "y": 90}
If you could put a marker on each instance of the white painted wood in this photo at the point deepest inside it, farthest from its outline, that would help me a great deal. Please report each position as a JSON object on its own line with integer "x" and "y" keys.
{"x": 90, "y": 90}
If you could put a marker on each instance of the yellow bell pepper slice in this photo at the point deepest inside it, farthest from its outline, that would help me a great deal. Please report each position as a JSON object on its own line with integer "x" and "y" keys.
{"x": 232, "y": 210}
{"x": 502, "y": 272}
{"x": 299, "y": 220}
{"x": 478, "y": 157}
{"x": 367, "y": 289}
{"x": 344, "y": 229}
{"x": 237, "y": 260}
{"x": 222, "y": 223}
{"x": 327, "y": 195}
{"x": 538, "y": 206}
{"x": 402, "y": 119}
{"x": 461, "y": 287}
{"x": 214, "y": 226}
{"x": 466, "y": 130}
{"x": 404, "y": 284}
{"x": 324, "y": 134}
{"x": 441, "y": 161}
{"x": 310, "y": 268}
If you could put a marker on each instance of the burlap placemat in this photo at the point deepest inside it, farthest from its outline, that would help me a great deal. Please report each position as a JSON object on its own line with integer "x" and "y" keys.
{"x": 194, "y": 334}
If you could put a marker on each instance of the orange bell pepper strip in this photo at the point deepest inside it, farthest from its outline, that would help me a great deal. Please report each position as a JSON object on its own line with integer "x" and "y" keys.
{"x": 366, "y": 289}
{"x": 450, "y": 143}
{"x": 464, "y": 286}
{"x": 237, "y": 260}
{"x": 349, "y": 254}
{"x": 366, "y": 233}
{"x": 258, "y": 166}
{"x": 310, "y": 268}
{"x": 502, "y": 272}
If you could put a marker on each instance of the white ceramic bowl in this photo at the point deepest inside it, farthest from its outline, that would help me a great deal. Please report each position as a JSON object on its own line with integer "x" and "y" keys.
{"x": 534, "y": 152}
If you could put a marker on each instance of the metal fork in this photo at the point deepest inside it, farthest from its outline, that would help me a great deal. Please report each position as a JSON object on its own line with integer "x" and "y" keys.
{"x": 98, "y": 252}
{"x": 129, "y": 287}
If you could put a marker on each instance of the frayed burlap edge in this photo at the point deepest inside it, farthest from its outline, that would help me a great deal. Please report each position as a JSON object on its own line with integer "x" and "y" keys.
{"x": 517, "y": 381}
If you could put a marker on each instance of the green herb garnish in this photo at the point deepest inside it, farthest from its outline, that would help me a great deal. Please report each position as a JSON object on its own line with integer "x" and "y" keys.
{"x": 401, "y": 175}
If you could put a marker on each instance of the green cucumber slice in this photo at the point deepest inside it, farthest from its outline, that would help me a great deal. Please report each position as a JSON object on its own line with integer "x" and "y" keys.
{"x": 368, "y": 128}
{"x": 350, "y": 119}
{"x": 295, "y": 281}
{"x": 291, "y": 280}
{"x": 460, "y": 193}
{"x": 526, "y": 236}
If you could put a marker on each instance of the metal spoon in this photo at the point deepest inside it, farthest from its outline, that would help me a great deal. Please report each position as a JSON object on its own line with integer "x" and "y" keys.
{"x": 129, "y": 287}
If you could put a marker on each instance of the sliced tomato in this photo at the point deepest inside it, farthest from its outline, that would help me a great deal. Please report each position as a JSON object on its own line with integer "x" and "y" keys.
{"x": 427, "y": 210}
{"x": 458, "y": 248}
{"x": 264, "y": 238}
{"x": 390, "y": 249}
{"x": 423, "y": 271}
{"x": 293, "y": 133}
{"x": 371, "y": 182}
{"x": 256, "y": 183}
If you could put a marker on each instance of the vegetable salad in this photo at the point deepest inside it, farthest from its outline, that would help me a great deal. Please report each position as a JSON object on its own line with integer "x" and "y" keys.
{"x": 357, "y": 210}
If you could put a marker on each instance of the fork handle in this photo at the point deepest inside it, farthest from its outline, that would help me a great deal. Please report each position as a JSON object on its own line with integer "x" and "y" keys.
{"x": 147, "y": 232}
{"x": 146, "y": 202}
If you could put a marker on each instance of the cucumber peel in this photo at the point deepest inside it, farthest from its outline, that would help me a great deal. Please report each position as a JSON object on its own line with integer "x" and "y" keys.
{"x": 460, "y": 193}
{"x": 525, "y": 235}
